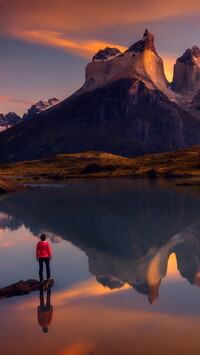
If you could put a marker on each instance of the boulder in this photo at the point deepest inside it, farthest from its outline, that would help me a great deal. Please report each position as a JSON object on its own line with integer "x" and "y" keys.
{"x": 25, "y": 287}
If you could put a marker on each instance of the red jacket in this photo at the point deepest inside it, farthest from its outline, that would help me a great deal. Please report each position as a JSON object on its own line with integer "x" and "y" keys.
{"x": 43, "y": 250}
{"x": 45, "y": 318}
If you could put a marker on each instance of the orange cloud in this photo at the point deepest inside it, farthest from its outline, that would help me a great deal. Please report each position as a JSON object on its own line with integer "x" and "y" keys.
{"x": 79, "y": 15}
{"x": 81, "y": 347}
{"x": 4, "y": 98}
{"x": 87, "y": 288}
{"x": 72, "y": 25}
{"x": 79, "y": 47}
{"x": 86, "y": 327}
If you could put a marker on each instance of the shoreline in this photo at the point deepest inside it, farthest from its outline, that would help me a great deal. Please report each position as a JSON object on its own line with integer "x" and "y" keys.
{"x": 180, "y": 164}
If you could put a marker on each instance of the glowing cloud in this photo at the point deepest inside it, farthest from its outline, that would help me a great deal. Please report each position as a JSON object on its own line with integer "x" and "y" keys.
{"x": 79, "y": 15}
{"x": 9, "y": 99}
{"x": 68, "y": 25}
{"x": 79, "y": 47}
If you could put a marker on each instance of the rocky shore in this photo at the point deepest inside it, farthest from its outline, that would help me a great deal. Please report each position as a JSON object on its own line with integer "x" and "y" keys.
{"x": 25, "y": 287}
{"x": 7, "y": 186}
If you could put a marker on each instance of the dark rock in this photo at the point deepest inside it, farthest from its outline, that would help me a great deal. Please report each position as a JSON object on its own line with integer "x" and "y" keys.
{"x": 7, "y": 186}
{"x": 153, "y": 174}
{"x": 92, "y": 168}
{"x": 146, "y": 43}
{"x": 25, "y": 287}
{"x": 189, "y": 55}
{"x": 185, "y": 184}
{"x": 96, "y": 168}
{"x": 106, "y": 54}
{"x": 9, "y": 119}
{"x": 110, "y": 281}
{"x": 195, "y": 102}
{"x": 39, "y": 107}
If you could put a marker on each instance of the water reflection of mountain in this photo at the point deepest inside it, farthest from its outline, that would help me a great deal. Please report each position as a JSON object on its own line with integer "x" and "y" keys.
{"x": 9, "y": 222}
{"x": 128, "y": 232}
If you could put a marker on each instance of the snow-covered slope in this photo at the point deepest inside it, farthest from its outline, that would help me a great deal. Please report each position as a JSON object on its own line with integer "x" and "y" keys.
{"x": 11, "y": 118}
{"x": 39, "y": 107}
{"x": 8, "y": 120}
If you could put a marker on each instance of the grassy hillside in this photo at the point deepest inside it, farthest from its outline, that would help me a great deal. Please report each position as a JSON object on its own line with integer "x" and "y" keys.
{"x": 185, "y": 162}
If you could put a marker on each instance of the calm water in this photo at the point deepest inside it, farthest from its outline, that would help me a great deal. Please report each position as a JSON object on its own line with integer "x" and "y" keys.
{"x": 126, "y": 264}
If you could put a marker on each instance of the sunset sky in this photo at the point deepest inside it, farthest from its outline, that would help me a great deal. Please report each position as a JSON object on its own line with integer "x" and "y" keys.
{"x": 45, "y": 45}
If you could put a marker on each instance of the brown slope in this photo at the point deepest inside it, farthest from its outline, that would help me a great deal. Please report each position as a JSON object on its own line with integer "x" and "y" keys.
{"x": 184, "y": 162}
{"x": 124, "y": 118}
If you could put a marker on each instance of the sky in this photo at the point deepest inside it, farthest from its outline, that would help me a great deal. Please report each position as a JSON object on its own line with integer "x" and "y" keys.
{"x": 45, "y": 45}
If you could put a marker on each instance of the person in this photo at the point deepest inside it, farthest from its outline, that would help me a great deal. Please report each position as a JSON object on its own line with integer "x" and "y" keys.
{"x": 43, "y": 254}
{"x": 45, "y": 312}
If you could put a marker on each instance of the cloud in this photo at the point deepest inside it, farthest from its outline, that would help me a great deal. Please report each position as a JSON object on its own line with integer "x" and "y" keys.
{"x": 83, "y": 27}
{"x": 9, "y": 99}
{"x": 79, "y": 47}
{"x": 67, "y": 24}
{"x": 79, "y": 15}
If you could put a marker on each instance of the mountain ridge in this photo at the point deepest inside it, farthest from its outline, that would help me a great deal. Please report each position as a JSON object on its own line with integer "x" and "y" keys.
{"x": 10, "y": 119}
{"x": 125, "y": 107}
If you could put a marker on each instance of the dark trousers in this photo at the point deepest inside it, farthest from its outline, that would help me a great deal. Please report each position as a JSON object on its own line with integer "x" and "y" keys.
{"x": 41, "y": 263}
{"x": 42, "y": 306}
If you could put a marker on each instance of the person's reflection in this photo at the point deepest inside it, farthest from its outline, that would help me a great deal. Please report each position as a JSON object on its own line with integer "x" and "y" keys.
{"x": 45, "y": 312}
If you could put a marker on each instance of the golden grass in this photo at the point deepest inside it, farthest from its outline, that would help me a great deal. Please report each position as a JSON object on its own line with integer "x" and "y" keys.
{"x": 185, "y": 162}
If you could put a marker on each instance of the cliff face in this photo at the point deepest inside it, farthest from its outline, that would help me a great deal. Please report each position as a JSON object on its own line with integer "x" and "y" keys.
{"x": 187, "y": 71}
{"x": 140, "y": 61}
{"x": 124, "y": 118}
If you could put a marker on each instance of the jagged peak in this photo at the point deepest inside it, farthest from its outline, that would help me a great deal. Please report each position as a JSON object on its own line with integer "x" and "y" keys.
{"x": 44, "y": 104}
{"x": 147, "y": 42}
{"x": 110, "y": 281}
{"x": 106, "y": 54}
{"x": 40, "y": 106}
{"x": 191, "y": 56}
{"x": 53, "y": 101}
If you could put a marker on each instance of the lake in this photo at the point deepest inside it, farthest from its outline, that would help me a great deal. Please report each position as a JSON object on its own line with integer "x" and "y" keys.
{"x": 126, "y": 265}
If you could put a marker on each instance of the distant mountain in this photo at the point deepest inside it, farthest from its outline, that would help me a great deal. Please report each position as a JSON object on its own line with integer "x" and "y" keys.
{"x": 11, "y": 118}
{"x": 186, "y": 81}
{"x": 125, "y": 107}
{"x": 8, "y": 120}
{"x": 187, "y": 71}
{"x": 39, "y": 107}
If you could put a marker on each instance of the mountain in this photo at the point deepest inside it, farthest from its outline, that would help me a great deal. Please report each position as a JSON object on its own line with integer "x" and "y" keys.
{"x": 140, "y": 61}
{"x": 8, "y": 120}
{"x": 11, "y": 118}
{"x": 125, "y": 107}
{"x": 39, "y": 107}
{"x": 186, "y": 81}
{"x": 187, "y": 71}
